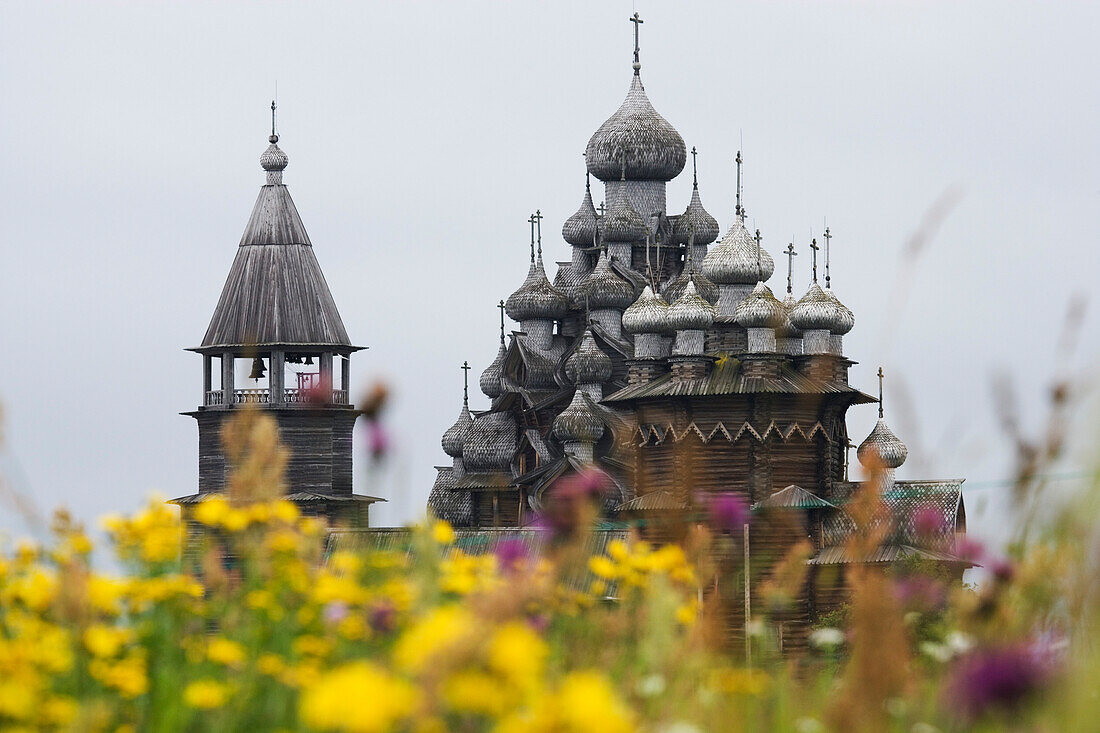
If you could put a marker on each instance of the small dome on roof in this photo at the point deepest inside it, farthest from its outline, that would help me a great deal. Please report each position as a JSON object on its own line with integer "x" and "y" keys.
{"x": 604, "y": 288}
{"x": 690, "y": 312}
{"x": 695, "y": 219}
{"x": 733, "y": 260}
{"x": 788, "y": 330}
{"x": 456, "y": 434}
{"x": 636, "y": 142}
{"x": 491, "y": 385}
{"x": 815, "y": 311}
{"x": 648, "y": 314}
{"x": 622, "y": 223}
{"x": 577, "y": 422}
{"x": 846, "y": 320}
{"x": 273, "y": 159}
{"x": 579, "y": 230}
{"x": 536, "y": 298}
{"x": 882, "y": 447}
{"x": 688, "y": 273}
{"x": 588, "y": 364}
{"x": 490, "y": 442}
{"x": 760, "y": 309}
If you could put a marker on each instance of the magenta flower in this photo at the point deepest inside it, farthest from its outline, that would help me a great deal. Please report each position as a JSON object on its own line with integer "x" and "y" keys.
{"x": 928, "y": 521}
{"x": 727, "y": 512}
{"x": 969, "y": 550}
{"x": 378, "y": 440}
{"x": 996, "y": 678}
{"x": 511, "y": 553}
{"x": 921, "y": 593}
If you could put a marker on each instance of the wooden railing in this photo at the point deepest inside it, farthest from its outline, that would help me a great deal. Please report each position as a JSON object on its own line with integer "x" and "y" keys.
{"x": 216, "y": 397}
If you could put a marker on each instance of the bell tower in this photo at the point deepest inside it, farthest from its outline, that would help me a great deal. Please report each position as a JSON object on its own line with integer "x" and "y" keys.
{"x": 276, "y": 341}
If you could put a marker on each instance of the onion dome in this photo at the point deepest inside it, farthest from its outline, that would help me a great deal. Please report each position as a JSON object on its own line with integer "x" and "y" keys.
{"x": 456, "y": 434}
{"x": 578, "y": 423}
{"x": 648, "y": 314}
{"x": 788, "y": 329}
{"x": 733, "y": 260}
{"x": 490, "y": 442}
{"x": 579, "y": 230}
{"x": 490, "y": 382}
{"x": 273, "y": 159}
{"x": 816, "y": 311}
{"x": 588, "y": 364}
{"x": 846, "y": 320}
{"x": 622, "y": 223}
{"x": 690, "y": 312}
{"x": 695, "y": 219}
{"x": 703, "y": 285}
{"x": 636, "y": 142}
{"x": 604, "y": 288}
{"x": 536, "y": 298}
{"x": 882, "y": 448}
{"x": 760, "y": 309}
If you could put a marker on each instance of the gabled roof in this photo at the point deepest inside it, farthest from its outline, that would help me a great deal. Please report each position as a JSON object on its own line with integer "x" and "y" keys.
{"x": 793, "y": 497}
{"x": 727, "y": 377}
{"x": 276, "y": 294}
{"x": 446, "y": 502}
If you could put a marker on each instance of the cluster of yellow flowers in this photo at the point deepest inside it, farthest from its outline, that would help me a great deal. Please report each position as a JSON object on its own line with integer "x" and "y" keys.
{"x": 241, "y": 617}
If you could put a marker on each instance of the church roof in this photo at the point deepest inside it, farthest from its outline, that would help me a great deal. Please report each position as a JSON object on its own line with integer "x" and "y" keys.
{"x": 446, "y": 502}
{"x": 275, "y": 294}
{"x": 636, "y": 142}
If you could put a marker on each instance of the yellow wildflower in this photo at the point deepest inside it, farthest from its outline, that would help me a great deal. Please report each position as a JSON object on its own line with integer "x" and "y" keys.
{"x": 206, "y": 694}
{"x": 518, "y": 654}
{"x": 474, "y": 692}
{"x": 752, "y": 682}
{"x": 312, "y": 646}
{"x": 212, "y": 511}
{"x": 586, "y": 701}
{"x": 433, "y": 636}
{"x": 127, "y": 675}
{"x": 358, "y": 698}
{"x": 617, "y": 549}
{"x": 603, "y": 567}
{"x": 105, "y": 593}
{"x": 271, "y": 664}
{"x": 442, "y": 532}
{"x": 224, "y": 651}
{"x": 59, "y": 711}
{"x": 285, "y": 511}
{"x": 105, "y": 641}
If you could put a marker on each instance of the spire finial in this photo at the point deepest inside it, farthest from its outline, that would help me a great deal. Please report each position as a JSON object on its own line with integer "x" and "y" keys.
{"x": 880, "y": 393}
{"x": 637, "y": 21}
{"x": 531, "y": 221}
{"x": 691, "y": 246}
{"x": 602, "y": 207}
{"x": 500, "y": 305}
{"x": 694, "y": 168}
{"x": 465, "y": 382}
{"x": 828, "y": 236}
{"x": 791, "y": 254}
{"x": 274, "y": 135}
{"x": 759, "y": 264}
{"x": 815, "y": 248}
{"x": 538, "y": 223}
{"x": 739, "y": 210}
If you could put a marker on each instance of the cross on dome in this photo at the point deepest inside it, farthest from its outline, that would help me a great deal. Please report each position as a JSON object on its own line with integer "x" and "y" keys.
{"x": 637, "y": 21}
{"x": 791, "y": 254}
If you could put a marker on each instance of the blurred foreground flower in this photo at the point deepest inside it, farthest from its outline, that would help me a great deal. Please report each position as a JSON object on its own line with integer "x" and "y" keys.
{"x": 727, "y": 512}
{"x": 1000, "y": 678}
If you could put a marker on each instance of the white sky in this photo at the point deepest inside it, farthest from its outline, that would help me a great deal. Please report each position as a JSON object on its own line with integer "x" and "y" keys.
{"x": 420, "y": 138}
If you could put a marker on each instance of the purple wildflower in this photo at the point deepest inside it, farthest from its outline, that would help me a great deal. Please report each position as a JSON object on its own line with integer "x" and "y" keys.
{"x": 335, "y": 612}
{"x": 1001, "y": 568}
{"x": 969, "y": 550}
{"x": 382, "y": 618}
{"x": 727, "y": 512}
{"x": 378, "y": 440}
{"x": 928, "y": 521}
{"x": 511, "y": 553}
{"x": 921, "y": 593}
{"x": 996, "y": 678}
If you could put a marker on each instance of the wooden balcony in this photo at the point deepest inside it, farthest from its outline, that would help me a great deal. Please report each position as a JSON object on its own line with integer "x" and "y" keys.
{"x": 299, "y": 397}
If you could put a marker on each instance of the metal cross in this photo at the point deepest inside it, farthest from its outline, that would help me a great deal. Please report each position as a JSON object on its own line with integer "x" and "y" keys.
{"x": 880, "y": 393}
{"x": 531, "y": 221}
{"x": 791, "y": 254}
{"x": 601, "y": 207}
{"x": 637, "y": 21}
{"x": 501, "y": 306}
{"x": 465, "y": 381}
{"x": 828, "y": 236}
{"x": 538, "y": 222}
{"x": 815, "y": 248}
{"x": 694, "y": 168}
{"x": 738, "y": 210}
{"x": 273, "y": 134}
{"x": 759, "y": 264}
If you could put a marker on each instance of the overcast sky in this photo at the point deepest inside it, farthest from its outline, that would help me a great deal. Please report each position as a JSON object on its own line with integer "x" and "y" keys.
{"x": 421, "y": 137}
